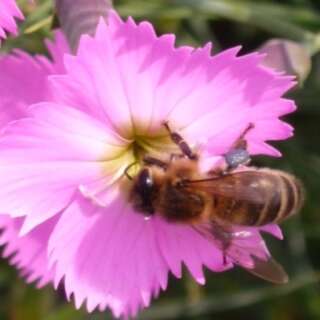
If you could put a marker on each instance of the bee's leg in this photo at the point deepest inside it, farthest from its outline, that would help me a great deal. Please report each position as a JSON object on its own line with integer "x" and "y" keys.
{"x": 225, "y": 244}
{"x": 181, "y": 143}
{"x": 238, "y": 153}
{"x": 241, "y": 142}
{"x": 216, "y": 172}
{"x": 148, "y": 160}
{"x": 224, "y": 259}
{"x": 223, "y": 236}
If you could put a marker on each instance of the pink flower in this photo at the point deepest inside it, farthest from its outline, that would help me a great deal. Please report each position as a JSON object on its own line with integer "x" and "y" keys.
{"x": 8, "y": 12}
{"x": 62, "y": 168}
{"x": 18, "y": 91}
{"x": 24, "y": 81}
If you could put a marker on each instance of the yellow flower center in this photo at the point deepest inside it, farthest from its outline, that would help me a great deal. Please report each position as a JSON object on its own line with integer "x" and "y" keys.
{"x": 157, "y": 144}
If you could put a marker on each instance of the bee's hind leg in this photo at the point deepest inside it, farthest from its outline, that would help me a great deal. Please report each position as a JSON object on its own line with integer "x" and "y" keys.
{"x": 224, "y": 258}
{"x": 238, "y": 153}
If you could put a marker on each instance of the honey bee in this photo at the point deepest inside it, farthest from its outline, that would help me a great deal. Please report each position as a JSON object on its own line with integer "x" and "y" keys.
{"x": 214, "y": 202}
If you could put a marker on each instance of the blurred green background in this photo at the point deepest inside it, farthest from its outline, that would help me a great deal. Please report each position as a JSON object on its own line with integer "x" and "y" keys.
{"x": 234, "y": 294}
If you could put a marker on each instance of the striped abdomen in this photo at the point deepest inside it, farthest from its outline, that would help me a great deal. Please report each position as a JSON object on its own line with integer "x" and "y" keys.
{"x": 256, "y": 197}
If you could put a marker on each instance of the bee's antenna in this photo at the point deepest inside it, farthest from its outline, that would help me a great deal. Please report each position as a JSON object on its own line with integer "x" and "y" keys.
{"x": 180, "y": 142}
{"x": 126, "y": 173}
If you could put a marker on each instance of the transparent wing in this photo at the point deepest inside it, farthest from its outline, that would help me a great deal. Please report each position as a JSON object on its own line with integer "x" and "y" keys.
{"x": 269, "y": 270}
{"x": 244, "y": 185}
{"x": 237, "y": 248}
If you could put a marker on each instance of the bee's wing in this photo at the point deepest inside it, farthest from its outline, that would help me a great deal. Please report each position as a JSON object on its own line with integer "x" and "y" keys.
{"x": 242, "y": 185}
{"x": 269, "y": 270}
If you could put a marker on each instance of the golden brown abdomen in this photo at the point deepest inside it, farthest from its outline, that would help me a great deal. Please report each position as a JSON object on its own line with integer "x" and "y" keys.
{"x": 257, "y": 197}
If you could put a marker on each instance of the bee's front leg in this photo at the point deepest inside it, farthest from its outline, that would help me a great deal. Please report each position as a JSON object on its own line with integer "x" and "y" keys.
{"x": 151, "y": 161}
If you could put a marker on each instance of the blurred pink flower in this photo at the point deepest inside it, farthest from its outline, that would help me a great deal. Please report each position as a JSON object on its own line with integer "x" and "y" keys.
{"x": 24, "y": 78}
{"x": 62, "y": 167}
{"x": 23, "y": 81}
{"x": 8, "y": 12}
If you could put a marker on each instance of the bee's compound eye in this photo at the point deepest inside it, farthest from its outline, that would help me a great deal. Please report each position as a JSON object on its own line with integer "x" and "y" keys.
{"x": 145, "y": 190}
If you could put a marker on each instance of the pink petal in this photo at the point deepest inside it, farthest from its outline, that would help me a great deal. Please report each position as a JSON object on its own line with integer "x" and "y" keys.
{"x": 57, "y": 48}
{"x": 114, "y": 257}
{"x": 273, "y": 230}
{"x": 44, "y": 159}
{"x": 92, "y": 248}
{"x": 17, "y": 91}
{"x": 232, "y": 104}
{"x": 179, "y": 243}
{"x": 8, "y": 12}
{"x": 27, "y": 253}
{"x": 246, "y": 244}
{"x": 66, "y": 157}
{"x": 132, "y": 73}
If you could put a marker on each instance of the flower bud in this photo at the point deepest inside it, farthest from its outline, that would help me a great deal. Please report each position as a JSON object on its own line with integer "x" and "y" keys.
{"x": 287, "y": 56}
